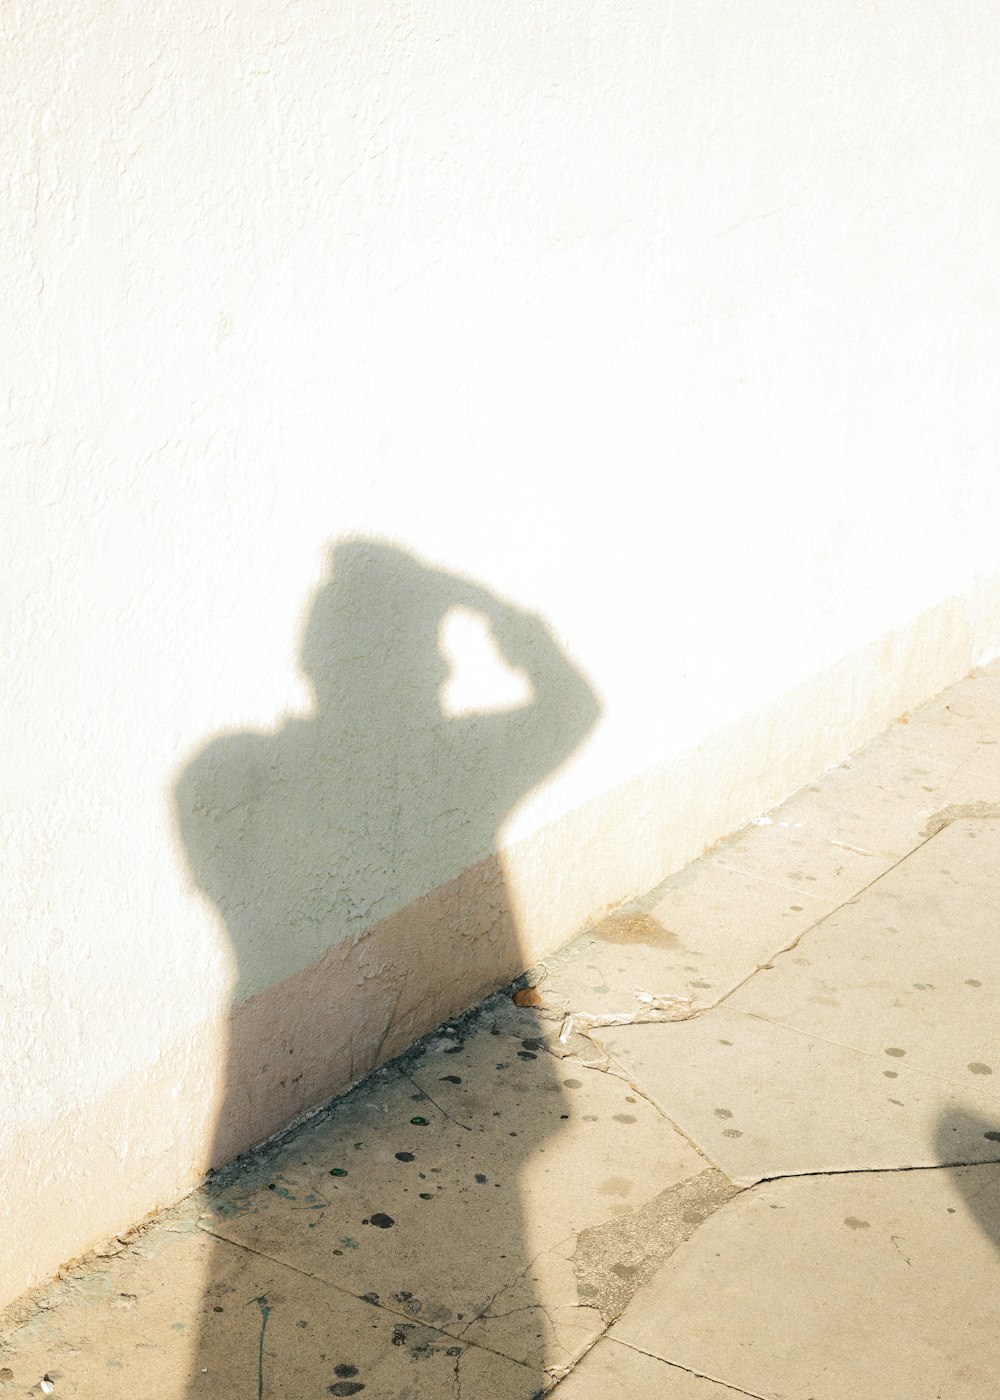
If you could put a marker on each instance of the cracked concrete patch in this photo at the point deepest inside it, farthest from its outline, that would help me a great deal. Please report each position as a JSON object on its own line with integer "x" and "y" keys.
{"x": 595, "y": 1275}
{"x": 614, "y": 1259}
{"x": 876, "y": 1286}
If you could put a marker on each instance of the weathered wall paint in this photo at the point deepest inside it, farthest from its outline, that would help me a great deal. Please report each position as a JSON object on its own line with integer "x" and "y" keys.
{"x": 671, "y": 327}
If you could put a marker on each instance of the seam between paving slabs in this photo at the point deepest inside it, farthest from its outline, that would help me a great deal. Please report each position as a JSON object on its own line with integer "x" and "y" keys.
{"x": 701, "y": 1375}
{"x": 843, "y": 1045}
{"x": 585, "y": 1023}
{"x": 618, "y": 1071}
{"x": 871, "y": 1171}
{"x": 614, "y": 1067}
{"x": 421, "y": 1090}
{"x": 794, "y": 943}
{"x": 945, "y": 818}
{"x": 359, "y": 1298}
{"x": 675, "y": 1365}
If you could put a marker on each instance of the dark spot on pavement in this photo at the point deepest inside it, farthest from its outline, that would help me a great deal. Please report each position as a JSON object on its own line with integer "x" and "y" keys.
{"x": 853, "y": 1223}
{"x": 481, "y": 1178}
{"x": 451, "y": 1079}
{"x": 346, "y": 1387}
{"x": 404, "y": 1156}
{"x": 895, "y": 1052}
{"x": 978, "y": 1068}
{"x": 723, "y": 1113}
{"x": 419, "y": 1122}
{"x": 624, "y": 1118}
{"x": 344, "y": 1370}
{"x": 382, "y": 1220}
{"x": 573, "y": 1083}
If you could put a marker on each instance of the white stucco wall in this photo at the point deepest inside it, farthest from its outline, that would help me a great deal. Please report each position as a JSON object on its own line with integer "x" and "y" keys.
{"x": 673, "y": 324}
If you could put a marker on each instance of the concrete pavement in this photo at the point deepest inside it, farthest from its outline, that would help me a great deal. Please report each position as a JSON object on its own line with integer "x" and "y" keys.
{"x": 741, "y": 1138}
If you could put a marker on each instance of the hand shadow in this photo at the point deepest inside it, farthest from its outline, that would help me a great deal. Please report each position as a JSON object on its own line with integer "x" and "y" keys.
{"x": 353, "y": 856}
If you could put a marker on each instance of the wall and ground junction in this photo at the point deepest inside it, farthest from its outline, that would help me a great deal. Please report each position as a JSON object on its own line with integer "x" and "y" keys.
{"x": 457, "y": 464}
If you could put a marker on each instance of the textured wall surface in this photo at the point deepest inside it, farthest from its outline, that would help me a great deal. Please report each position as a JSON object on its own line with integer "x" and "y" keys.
{"x": 653, "y": 351}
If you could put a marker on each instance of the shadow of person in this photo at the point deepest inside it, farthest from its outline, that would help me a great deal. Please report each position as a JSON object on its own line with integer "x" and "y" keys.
{"x": 353, "y": 855}
{"x": 979, "y": 1184}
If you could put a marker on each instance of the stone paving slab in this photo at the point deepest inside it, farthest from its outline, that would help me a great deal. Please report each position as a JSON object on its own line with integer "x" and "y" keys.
{"x": 688, "y": 943}
{"x": 182, "y": 1317}
{"x": 873, "y": 1286}
{"x": 761, "y": 1100}
{"x": 612, "y": 1369}
{"x": 877, "y": 802}
{"x": 911, "y": 970}
{"x": 454, "y": 1188}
